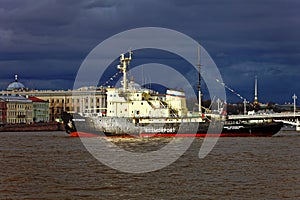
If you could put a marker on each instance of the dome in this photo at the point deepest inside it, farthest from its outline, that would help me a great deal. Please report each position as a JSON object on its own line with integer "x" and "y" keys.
{"x": 16, "y": 85}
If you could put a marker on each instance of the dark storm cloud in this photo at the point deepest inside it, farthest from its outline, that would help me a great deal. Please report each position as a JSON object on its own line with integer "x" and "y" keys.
{"x": 49, "y": 39}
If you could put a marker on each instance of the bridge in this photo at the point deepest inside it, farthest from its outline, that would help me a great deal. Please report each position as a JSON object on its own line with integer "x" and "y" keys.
{"x": 290, "y": 118}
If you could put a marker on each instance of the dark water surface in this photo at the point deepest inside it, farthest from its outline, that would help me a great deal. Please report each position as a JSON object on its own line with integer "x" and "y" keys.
{"x": 51, "y": 165}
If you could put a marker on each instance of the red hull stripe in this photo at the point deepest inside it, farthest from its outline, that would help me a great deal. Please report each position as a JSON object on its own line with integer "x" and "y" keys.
{"x": 83, "y": 134}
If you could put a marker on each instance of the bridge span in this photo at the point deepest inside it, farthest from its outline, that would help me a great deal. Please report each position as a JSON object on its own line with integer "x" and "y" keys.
{"x": 290, "y": 118}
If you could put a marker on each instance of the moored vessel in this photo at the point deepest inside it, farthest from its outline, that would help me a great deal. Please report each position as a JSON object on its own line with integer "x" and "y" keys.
{"x": 140, "y": 112}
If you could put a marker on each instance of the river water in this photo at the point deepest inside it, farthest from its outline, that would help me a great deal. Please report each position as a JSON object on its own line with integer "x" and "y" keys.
{"x": 52, "y": 165}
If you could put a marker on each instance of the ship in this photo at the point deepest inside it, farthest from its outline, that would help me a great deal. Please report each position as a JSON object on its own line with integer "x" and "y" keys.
{"x": 135, "y": 111}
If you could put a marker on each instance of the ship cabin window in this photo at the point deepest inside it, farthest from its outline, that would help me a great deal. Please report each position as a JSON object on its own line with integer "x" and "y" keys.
{"x": 110, "y": 95}
{"x": 137, "y": 95}
{"x": 141, "y": 103}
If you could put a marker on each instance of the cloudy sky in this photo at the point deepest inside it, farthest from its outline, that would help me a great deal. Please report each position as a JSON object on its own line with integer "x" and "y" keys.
{"x": 45, "y": 41}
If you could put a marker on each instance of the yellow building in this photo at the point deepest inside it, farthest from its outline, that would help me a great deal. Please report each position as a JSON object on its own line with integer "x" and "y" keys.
{"x": 19, "y": 109}
{"x": 87, "y": 100}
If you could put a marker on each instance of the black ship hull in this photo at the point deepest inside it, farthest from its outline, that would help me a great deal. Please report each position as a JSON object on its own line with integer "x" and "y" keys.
{"x": 86, "y": 126}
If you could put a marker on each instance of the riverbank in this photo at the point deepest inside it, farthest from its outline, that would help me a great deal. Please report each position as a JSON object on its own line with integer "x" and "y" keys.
{"x": 50, "y": 126}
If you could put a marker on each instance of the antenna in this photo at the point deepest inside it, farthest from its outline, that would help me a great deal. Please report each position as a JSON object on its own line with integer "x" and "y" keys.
{"x": 143, "y": 81}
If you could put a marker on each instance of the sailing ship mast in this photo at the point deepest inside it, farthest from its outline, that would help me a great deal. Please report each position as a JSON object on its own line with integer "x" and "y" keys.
{"x": 199, "y": 82}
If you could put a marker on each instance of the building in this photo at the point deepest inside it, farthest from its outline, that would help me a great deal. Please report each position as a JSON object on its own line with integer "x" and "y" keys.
{"x": 18, "y": 109}
{"x": 16, "y": 85}
{"x": 86, "y": 100}
{"x": 40, "y": 109}
{"x": 3, "y": 112}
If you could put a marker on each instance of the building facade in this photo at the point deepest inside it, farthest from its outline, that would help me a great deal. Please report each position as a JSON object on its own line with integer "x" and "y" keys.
{"x": 3, "y": 111}
{"x": 87, "y": 100}
{"x": 40, "y": 109}
{"x": 18, "y": 109}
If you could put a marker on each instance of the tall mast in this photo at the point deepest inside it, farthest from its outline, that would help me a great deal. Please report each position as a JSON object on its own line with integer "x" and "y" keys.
{"x": 255, "y": 91}
{"x": 124, "y": 62}
{"x": 199, "y": 82}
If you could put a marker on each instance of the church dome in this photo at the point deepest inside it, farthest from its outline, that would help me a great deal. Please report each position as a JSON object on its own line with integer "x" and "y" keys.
{"x": 16, "y": 85}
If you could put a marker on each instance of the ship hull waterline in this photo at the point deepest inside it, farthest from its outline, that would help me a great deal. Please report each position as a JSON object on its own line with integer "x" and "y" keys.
{"x": 83, "y": 129}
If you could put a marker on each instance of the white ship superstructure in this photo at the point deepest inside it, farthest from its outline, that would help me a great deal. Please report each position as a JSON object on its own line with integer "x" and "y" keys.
{"x": 140, "y": 103}
{"x": 145, "y": 105}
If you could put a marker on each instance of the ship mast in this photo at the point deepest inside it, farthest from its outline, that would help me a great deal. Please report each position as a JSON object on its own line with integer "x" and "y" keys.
{"x": 124, "y": 62}
{"x": 199, "y": 82}
{"x": 255, "y": 91}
